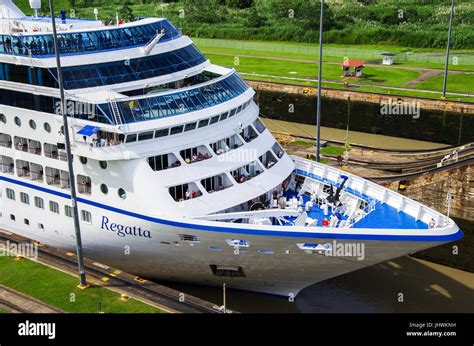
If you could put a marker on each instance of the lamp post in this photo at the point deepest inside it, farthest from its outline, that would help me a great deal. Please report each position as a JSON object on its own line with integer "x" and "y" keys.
{"x": 447, "y": 48}
{"x": 77, "y": 229}
{"x": 320, "y": 71}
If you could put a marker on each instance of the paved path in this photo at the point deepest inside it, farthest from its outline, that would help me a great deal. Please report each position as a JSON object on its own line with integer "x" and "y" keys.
{"x": 21, "y": 302}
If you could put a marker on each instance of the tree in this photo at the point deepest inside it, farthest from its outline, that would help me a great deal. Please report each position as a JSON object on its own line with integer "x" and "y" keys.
{"x": 126, "y": 11}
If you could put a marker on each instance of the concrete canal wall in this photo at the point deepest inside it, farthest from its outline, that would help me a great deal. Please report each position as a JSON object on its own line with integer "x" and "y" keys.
{"x": 437, "y": 120}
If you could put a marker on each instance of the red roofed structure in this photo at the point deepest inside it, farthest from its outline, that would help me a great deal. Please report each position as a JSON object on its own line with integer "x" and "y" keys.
{"x": 358, "y": 65}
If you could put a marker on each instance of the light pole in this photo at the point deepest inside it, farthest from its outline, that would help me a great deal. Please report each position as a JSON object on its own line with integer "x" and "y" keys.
{"x": 320, "y": 71}
{"x": 447, "y": 48}
{"x": 72, "y": 180}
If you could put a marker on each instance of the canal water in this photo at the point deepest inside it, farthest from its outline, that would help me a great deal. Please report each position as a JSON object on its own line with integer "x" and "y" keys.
{"x": 353, "y": 137}
{"x": 406, "y": 284}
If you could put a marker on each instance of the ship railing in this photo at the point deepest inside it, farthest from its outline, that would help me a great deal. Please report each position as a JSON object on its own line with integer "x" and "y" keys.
{"x": 57, "y": 155}
{"x": 58, "y": 182}
{"x": 7, "y": 168}
{"x": 41, "y": 45}
{"x": 6, "y": 144}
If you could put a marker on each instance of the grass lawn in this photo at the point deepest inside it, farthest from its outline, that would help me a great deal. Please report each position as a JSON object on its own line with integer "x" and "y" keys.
{"x": 4, "y": 311}
{"x": 455, "y": 83}
{"x": 333, "y": 72}
{"x": 413, "y": 93}
{"x": 55, "y": 288}
{"x": 332, "y": 151}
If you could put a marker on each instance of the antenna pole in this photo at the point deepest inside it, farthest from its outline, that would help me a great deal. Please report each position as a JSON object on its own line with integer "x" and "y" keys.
{"x": 320, "y": 72}
{"x": 72, "y": 180}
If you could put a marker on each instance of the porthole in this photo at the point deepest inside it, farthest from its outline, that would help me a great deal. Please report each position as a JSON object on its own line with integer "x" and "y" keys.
{"x": 103, "y": 164}
{"x": 17, "y": 121}
{"x": 122, "y": 194}
{"x": 104, "y": 189}
{"x": 47, "y": 127}
{"x": 83, "y": 160}
{"x": 32, "y": 124}
{"x": 3, "y": 119}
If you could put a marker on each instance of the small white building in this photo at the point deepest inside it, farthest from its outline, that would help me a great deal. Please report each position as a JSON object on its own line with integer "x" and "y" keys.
{"x": 387, "y": 58}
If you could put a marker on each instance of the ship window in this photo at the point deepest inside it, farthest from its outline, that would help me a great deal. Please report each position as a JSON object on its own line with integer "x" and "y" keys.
{"x": 61, "y": 130}
{"x": 84, "y": 185}
{"x": 216, "y": 183}
{"x": 232, "y": 112}
{"x": 27, "y": 222}
{"x": 247, "y": 172}
{"x": 249, "y": 134}
{"x": 161, "y": 133}
{"x": 12, "y": 217}
{"x": 86, "y": 216}
{"x": 145, "y": 136}
{"x": 228, "y": 271}
{"x": 39, "y": 203}
{"x": 190, "y": 127}
{"x": 268, "y": 160}
{"x": 278, "y": 150}
{"x": 47, "y": 127}
{"x": 17, "y": 121}
{"x": 54, "y": 207}
{"x": 224, "y": 116}
{"x": 68, "y": 211}
{"x": 104, "y": 189}
{"x": 10, "y": 194}
{"x": 184, "y": 192}
{"x": 83, "y": 160}
{"x": 226, "y": 144}
{"x": 214, "y": 119}
{"x": 196, "y": 154}
{"x": 189, "y": 238}
{"x": 103, "y": 164}
{"x": 177, "y": 129}
{"x": 259, "y": 125}
{"x": 24, "y": 198}
{"x": 3, "y": 118}
{"x": 239, "y": 109}
{"x": 32, "y": 124}
{"x": 162, "y": 162}
{"x": 131, "y": 138}
{"x": 122, "y": 194}
{"x": 41, "y": 227}
{"x": 203, "y": 123}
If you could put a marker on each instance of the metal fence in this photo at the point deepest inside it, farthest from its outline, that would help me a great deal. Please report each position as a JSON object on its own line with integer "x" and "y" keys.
{"x": 464, "y": 58}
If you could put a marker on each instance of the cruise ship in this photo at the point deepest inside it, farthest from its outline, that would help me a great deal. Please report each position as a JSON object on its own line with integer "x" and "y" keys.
{"x": 177, "y": 177}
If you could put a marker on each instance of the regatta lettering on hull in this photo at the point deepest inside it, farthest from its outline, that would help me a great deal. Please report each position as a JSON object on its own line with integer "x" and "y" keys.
{"x": 123, "y": 230}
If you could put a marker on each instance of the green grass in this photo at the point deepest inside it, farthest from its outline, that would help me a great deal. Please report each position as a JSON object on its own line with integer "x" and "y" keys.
{"x": 332, "y": 151}
{"x": 4, "y": 311}
{"x": 55, "y": 288}
{"x": 303, "y": 143}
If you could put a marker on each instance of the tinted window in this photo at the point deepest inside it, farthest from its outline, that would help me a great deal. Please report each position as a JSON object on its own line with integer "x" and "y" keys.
{"x": 131, "y": 138}
{"x": 190, "y": 127}
{"x": 203, "y": 123}
{"x": 145, "y": 135}
{"x": 161, "y": 133}
{"x": 224, "y": 116}
{"x": 177, "y": 129}
{"x": 215, "y": 119}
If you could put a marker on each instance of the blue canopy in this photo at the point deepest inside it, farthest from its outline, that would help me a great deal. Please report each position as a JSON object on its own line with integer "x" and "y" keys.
{"x": 88, "y": 130}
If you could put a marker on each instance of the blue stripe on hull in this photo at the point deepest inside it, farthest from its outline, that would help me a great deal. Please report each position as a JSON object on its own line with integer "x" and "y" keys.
{"x": 419, "y": 238}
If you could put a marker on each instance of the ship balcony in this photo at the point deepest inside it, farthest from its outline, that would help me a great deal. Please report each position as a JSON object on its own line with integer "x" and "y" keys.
{"x": 7, "y": 165}
{"x": 57, "y": 178}
{"x": 53, "y": 152}
{"x": 5, "y": 140}
{"x": 27, "y": 145}
{"x": 29, "y": 170}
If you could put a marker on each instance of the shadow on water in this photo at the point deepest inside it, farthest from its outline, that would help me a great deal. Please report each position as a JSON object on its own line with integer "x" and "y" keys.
{"x": 370, "y": 290}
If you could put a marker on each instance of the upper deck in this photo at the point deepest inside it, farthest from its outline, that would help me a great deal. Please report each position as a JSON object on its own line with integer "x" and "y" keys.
{"x": 32, "y": 37}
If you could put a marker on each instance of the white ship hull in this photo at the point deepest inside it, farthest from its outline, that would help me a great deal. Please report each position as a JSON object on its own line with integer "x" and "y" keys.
{"x": 285, "y": 271}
